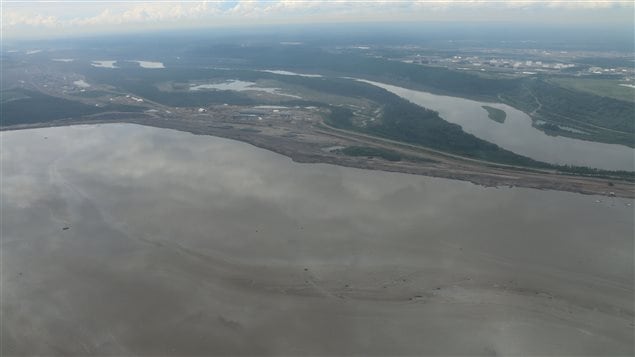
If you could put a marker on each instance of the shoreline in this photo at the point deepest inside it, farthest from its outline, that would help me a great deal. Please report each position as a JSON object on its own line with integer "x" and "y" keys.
{"x": 440, "y": 164}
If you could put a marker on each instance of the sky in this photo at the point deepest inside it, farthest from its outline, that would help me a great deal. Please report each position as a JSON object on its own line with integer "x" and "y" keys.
{"x": 51, "y": 18}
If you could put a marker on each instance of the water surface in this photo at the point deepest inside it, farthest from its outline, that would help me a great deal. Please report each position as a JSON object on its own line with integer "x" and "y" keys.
{"x": 289, "y": 73}
{"x": 517, "y": 134}
{"x": 240, "y": 86}
{"x": 122, "y": 239}
{"x": 104, "y": 64}
{"x": 150, "y": 64}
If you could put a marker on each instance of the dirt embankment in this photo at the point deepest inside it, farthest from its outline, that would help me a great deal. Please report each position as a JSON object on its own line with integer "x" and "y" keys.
{"x": 306, "y": 143}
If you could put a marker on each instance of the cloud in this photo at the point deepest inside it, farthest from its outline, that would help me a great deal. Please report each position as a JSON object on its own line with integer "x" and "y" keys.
{"x": 522, "y": 4}
{"x": 16, "y": 19}
{"x": 142, "y": 13}
{"x": 116, "y": 14}
{"x": 75, "y": 15}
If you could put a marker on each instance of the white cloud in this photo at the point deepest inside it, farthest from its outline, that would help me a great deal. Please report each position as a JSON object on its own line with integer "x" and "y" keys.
{"x": 534, "y": 4}
{"x": 74, "y": 16}
{"x": 16, "y": 19}
{"x": 146, "y": 12}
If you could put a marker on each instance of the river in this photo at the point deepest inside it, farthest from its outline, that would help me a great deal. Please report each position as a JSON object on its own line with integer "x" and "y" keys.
{"x": 517, "y": 134}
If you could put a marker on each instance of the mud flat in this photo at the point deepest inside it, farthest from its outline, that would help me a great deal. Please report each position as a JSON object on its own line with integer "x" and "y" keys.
{"x": 123, "y": 239}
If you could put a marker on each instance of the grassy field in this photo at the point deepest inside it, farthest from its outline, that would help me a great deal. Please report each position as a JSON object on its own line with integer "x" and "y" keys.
{"x": 385, "y": 154}
{"x": 495, "y": 114}
{"x": 28, "y": 107}
{"x": 602, "y": 87}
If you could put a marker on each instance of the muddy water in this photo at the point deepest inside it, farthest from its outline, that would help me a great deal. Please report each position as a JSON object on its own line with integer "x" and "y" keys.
{"x": 517, "y": 133}
{"x": 121, "y": 239}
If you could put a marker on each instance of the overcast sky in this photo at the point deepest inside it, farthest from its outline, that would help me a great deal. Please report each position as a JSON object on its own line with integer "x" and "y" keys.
{"x": 71, "y": 17}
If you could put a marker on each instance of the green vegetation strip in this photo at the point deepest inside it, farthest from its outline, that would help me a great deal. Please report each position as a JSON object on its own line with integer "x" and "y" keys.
{"x": 385, "y": 154}
{"x": 603, "y": 87}
{"x": 35, "y": 107}
{"x": 495, "y": 114}
{"x": 603, "y": 118}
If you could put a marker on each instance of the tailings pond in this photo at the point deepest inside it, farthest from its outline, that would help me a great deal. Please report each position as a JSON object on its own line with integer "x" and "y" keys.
{"x": 122, "y": 239}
